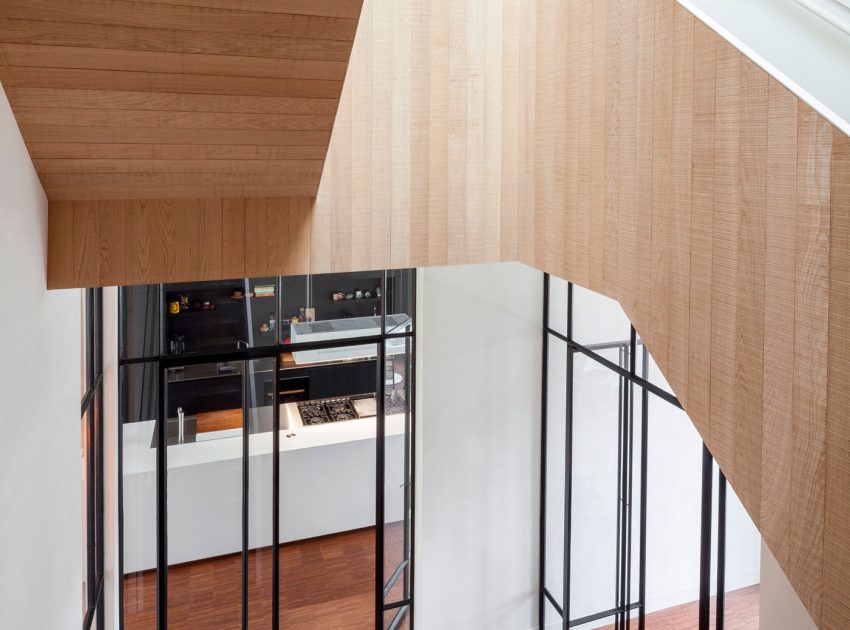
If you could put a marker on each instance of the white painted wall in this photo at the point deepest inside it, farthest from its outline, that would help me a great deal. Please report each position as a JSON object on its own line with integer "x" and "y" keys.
{"x": 478, "y": 360}
{"x": 802, "y": 51}
{"x": 41, "y": 552}
{"x": 781, "y": 608}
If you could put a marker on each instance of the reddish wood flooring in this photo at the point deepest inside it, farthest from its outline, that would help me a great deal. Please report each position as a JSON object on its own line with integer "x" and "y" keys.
{"x": 742, "y": 613}
{"x": 326, "y": 583}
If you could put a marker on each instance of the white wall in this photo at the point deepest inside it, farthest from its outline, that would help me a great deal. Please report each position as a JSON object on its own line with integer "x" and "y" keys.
{"x": 781, "y": 608}
{"x": 478, "y": 361}
{"x": 41, "y": 555}
{"x": 802, "y": 51}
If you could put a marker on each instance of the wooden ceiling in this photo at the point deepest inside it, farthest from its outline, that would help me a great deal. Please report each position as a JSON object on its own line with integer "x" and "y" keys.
{"x": 157, "y": 99}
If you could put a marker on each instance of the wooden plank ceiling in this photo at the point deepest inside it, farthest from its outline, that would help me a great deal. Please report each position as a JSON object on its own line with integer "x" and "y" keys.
{"x": 155, "y": 99}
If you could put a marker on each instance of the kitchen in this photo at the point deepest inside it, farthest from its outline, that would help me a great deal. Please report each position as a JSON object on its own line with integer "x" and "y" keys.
{"x": 215, "y": 355}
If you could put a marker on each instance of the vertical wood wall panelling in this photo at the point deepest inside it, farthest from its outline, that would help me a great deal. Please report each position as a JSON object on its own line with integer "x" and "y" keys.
{"x": 61, "y": 258}
{"x": 724, "y": 259}
{"x": 680, "y": 199}
{"x": 510, "y": 119}
{"x": 623, "y": 113}
{"x": 364, "y": 90}
{"x": 811, "y": 325}
{"x": 836, "y": 605}
{"x": 545, "y": 137}
{"x": 638, "y": 307}
{"x": 233, "y": 238}
{"x": 702, "y": 219}
{"x": 749, "y": 290}
{"x": 779, "y": 291}
{"x": 581, "y": 14}
{"x": 659, "y": 269}
{"x": 385, "y": 64}
{"x": 420, "y": 135}
{"x": 570, "y": 40}
{"x": 400, "y": 138}
{"x": 600, "y": 258}
{"x": 438, "y": 207}
{"x": 458, "y": 130}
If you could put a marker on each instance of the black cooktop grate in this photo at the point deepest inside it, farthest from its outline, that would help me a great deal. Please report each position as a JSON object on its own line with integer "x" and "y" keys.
{"x": 332, "y": 410}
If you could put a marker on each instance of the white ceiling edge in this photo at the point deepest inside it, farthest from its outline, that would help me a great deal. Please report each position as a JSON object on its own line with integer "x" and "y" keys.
{"x": 804, "y": 52}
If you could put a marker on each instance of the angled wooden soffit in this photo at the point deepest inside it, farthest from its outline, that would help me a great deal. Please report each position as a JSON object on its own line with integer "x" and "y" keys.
{"x": 621, "y": 145}
{"x": 176, "y": 99}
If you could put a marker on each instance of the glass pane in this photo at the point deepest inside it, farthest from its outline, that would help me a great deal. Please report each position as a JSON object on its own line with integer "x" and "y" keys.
{"x": 204, "y": 489}
{"x": 327, "y": 486}
{"x": 139, "y": 384}
{"x": 597, "y": 422}
{"x": 138, "y": 421}
{"x": 204, "y": 317}
{"x": 674, "y": 490}
{"x": 551, "y": 619}
{"x": 558, "y": 292}
{"x": 743, "y": 565}
{"x": 140, "y": 321}
{"x": 330, "y": 306}
{"x": 261, "y": 311}
{"x": 260, "y": 383}
{"x": 398, "y": 471}
{"x": 401, "y": 285}
{"x": 649, "y": 369}
{"x": 397, "y": 618}
{"x": 556, "y": 449}
{"x": 598, "y": 319}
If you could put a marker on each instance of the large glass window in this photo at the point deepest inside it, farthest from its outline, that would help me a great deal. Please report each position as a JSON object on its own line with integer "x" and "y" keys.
{"x": 638, "y": 524}
{"x": 267, "y": 452}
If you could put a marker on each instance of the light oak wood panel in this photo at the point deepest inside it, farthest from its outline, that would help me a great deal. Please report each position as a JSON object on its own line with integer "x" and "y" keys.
{"x": 116, "y": 36}
{"x": 187, "y": 152}
{"x": 106, "y": 101}
{"x": 669, "y": 173}
{"x": 182, "y": 17}
{"x": 105, "y": 186}
{"x": 120, "y": 80}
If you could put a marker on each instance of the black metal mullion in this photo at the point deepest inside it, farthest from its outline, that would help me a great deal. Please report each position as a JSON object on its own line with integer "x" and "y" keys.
{"x": 720, "y": 602}
{"x": 544, "y": 403}
{"x": 380, "y": 453}
{"x": 644, "y": 487}
{"x": 99, "y": 451}
{"x": 630, "y": 487}
{"x": 411, "y": 406}
{"x": 618, "y": 556}
{"x": 568, "y": 465}
{"x": 245, "y": 493}
{"x": 276, "y": 493}
{"x": 162, "y": 504}
{"x": 705, "y": 542}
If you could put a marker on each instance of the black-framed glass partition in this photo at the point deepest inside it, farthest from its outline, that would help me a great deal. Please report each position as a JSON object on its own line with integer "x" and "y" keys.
{"x": 91, "y": 433}
{"x": 636, "y": 518}
{"x": 267, "y": 429}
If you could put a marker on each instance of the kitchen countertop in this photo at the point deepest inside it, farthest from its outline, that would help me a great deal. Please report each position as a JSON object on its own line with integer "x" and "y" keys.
{"x": 139, "y": 457}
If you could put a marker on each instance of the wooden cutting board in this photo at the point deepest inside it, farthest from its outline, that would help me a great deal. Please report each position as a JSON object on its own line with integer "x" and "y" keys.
{"x": 219, "y": 420}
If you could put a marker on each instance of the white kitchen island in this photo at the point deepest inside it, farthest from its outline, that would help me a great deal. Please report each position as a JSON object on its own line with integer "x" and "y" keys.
{"x": 327, "y": 485}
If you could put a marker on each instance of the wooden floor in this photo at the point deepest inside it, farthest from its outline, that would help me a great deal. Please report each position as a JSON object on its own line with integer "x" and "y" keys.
{"x": 742, "y": 613}
{"x": 326, "y": 583}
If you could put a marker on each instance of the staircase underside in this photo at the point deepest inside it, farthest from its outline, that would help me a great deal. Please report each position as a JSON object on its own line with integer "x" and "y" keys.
{"x": 624, "y": 146}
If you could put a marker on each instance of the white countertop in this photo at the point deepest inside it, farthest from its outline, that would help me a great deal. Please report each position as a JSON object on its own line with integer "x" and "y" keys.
{"x": 139, "y": 457}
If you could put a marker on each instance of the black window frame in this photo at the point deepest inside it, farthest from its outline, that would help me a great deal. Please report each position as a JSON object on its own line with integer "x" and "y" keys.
{"x": 91, "y": 413}
{"x": 405, "y": 606}
{"x": 630, "y": 377}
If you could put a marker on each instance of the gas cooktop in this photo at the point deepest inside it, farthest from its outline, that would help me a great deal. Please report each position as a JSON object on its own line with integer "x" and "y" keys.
{"x": 324, "y": 411}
